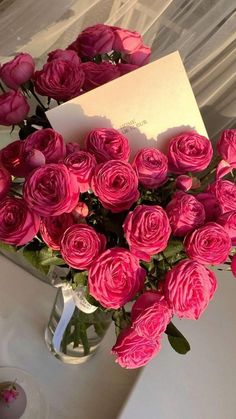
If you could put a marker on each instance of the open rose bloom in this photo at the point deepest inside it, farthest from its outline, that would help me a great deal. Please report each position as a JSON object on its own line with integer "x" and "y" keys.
{"x": 139, "y": 236}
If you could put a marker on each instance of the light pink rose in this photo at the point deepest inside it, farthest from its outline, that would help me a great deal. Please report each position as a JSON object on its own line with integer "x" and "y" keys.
{"x": 51, "y": 190}
{"x": 189, "y": 152}
{"x": 222, "y": 169}
{"x": 63, "y": 54}
{"x": 147, "y": 231}
{"x": 49, "y": 142}
{"x": 98, "y": 74}
{"x": 18, "y": 224}
{"x": 115, "y": 183}
{"x": 151, "y": 166}
{"x": 228, "y": 221}
{"x": 209, "y": 244}
{"x": 125, "y": 68}
{"x": 53, "y": 228}
{"x": 225, "y": 194}
{"x": 17, "y": 71}
{"x": 150, "y": 315}
{"x": 72, "y": 147}
{"x": 185, "y": 213}
{"x": 189, "y": 287}
{"x": 5, "y": 182}
{"x": 96, "y": 39}
{"x": 226, "y": 146}
{"x": 115, "y": 277}
{"x": 81, "y": 245}
{"x": 80, "y": 211}
{"x": 126, "y": 41}
{"x": 211, "y": 205}
{"x": 233, "y": 266}
{"x": 140, "y": 56}
{"x": 107, "y": 144}
{"x": 82, "y": 165}
{"x": 184, "y": 183}
{"x": 134, "y": 351}
{"x": 13, "y": 108}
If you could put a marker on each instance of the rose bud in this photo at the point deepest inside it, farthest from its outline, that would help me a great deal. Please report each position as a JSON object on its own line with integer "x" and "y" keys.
{"x": 233, "y": 266}
{"x": 80, "y": 211}
{"x": 140, "y": 56}
{"x": 107, "y": 144}
{"x": 226, "y": 146}
{"x": 97, "y": 39}
{"x": 228, "y": 221}
{"x": 184, "y": 183}
{"x": 151, "y": 166}
{"x": 17, "y": 71}
{"x": 125, "y": 68}
{"x": 222, "y": 169}
{"x": 98, "y": 74}
{"x": 49, "y": 142}
{"x": 224, "y": 192}
{"x": 34, "y": 159}
{"x": 5, "y": 182}
{"x": 126, "y": 41}
{"x": 13, "y": 108}
{"x": 53, "y": 228}
{"x": 82, "y": 165}
{"x": 66, "y": 55}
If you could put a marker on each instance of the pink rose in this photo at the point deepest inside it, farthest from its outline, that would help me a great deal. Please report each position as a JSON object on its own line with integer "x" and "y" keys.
{"x": 66, "y": 55}
{"x": 151, "y": 166}
{"x": 147, "y": 231}
{"x": 116, "y": 185}
{"x": 209, "y": 244}
{"x": 51, "y": 190}
{"x": 81, "y": 245}
{"x": 134, "y": 351}
{"x": 59, "y": 79}
{"x": 98, "y": 74}
{"x": 5, "y": 182}
{"x": 18, "y": 224}
{"x": 53, "y": 228}
{"x": 13, "y": 158}
{"x": 107, "y": 144}
{"x": 189, "y": 152}
{"x": 222, "y": 169}
{"x": 226, "y": 146}
{"x": 13, "y": 108}
{"x": 80, "y": 211}
{"x": 49, "y": 142}
{"x": 17, "y": 71}
{"x": 189, "y": 287}
{"x": 126, "y": 41}
{"x": 211, "y": 205}
{"x": 233, "y": 266}
{"x": 225, "y": 194}
{"x": 8, "y": 395}
{"x": 97, "y": 39}
{"x": 228, "y": 221}
{"x": 150, "y": 315}
{"x": 185, "y": 213}
{"x": 71, "y": 148}
{"x": 125, "y": 68}
{"x": 115, "y": 277}
{"x": 184, "y": 183}
{"x": 82, "y": 165}
{"x": 140, "y": 56}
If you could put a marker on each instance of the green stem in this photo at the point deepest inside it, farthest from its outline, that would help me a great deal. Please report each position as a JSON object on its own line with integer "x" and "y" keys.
{"x": 37, "y": 98}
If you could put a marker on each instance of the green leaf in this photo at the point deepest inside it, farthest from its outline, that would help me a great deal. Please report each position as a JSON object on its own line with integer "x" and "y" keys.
{"x": 174, "y": 247}
{"x": 53, "y": 261}
{"x": 7, "y": 247}
{"x": 34, "y": 259}
{"x": 178, "y": 342}
{"x": 80, "y": 278}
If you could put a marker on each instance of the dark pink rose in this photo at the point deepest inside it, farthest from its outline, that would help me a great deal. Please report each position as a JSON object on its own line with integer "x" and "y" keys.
{"x": 74, "y": 46}
{"x": 184, "y": 183}
{"x": 134, "y": 351}
{"x": 9, "y": 394}
{"x": 51, "y": 190}
{"x": 209, "y": 244}
{"x": 18, "y": 224}
{"x": 222, "y": 169}
{"x": 125, "y": 68}
{"x": 147, "y": 231}
{"x": 64, "y": 54}
{"x": 126, "y": 41}
{"x": 82, "y": 165}
{"x": 115, "y": 277}
{"x": 13, "y": 157}
{"x": 13, "y": 108}
{"x": 107, "y": 144}
{"x": 33, "y": 159}
{"x": 150, "y": 315}
{"x": 115, "y": 183}
{"x": 49, "y": 142}
{"x": 80, "y": 211}
{"x": 225, "y": 194}
{"x": 233, "y": 266}
{"x": 17, "y": 71}
{"x": 98, "y": 74}
{"x": 189, "y": 287}
{"x": 71, "y": 148}
{"x": 53, "y": 228}
{"x": 5, "y": 182}
{"x": 59, "y": 79}
{"x": 228, "y": 221}
{"x": 226, "y": 146}
{"x": 81, "y": 245}
{"x": 185, "y": 213}
{"x": 151, "y": 166}
{"x": 140, "y": 56}
{"x": 211, "y": 205}
{"x": 189, "y": 152}
{"x": 97, "y": 39}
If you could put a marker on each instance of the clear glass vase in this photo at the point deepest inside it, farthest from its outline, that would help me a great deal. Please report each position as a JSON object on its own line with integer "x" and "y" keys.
{"x": 82, "y": 336}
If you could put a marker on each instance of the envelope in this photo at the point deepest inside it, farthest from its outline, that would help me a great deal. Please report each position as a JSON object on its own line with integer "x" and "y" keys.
{"x": 149, "y": 106}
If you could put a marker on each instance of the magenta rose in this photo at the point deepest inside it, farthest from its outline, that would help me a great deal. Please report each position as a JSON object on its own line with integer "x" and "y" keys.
{"x": 5, "y": 182}
{"x": 107, "y": 144}
{"x": 51, "y": 190}
{"x": 189, "y": 152}
{"x": 98, "y": 74}
{"x": 224, "y": 192}
{"x": 185, "y": 213}
{"x": 150, "y": 315}
{"x": 17, "y": 71}
{"x": 53, "y": 228}
{"x": 66, "y": 55}
{"x": 18, "y": 224}
{"x": 125, "y": 68}
{"x": 211, "y": 205}
{"x": 134, "y": 351}
{"x": 233, "y": 266}
{"x": 81, "y": 245}
{"x": 140, "y": 56}
{"x": 226, "y": 146}
{"x": 71, "y": 148}
{"x": 116, "y": 185}
{"x": 82, "y": 165}
{"x": 189, "y": 287}
{"x": 13, "y": 108}
{"x": 59, "y": 79}
{"x": 49, "y": 142}
{"x": 151, "y": 166}
{"x": 97, "y": 39}
{"x": 209, "y": 244}
{"x": 115, "y": 277}
{"x": 126, "y": 41}
{"x": 147, "y": 231}
{"x": 228, "y": 221}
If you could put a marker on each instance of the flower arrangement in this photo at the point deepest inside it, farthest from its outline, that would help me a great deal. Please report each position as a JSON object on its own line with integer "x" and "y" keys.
{"x": 145, "y": 230}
